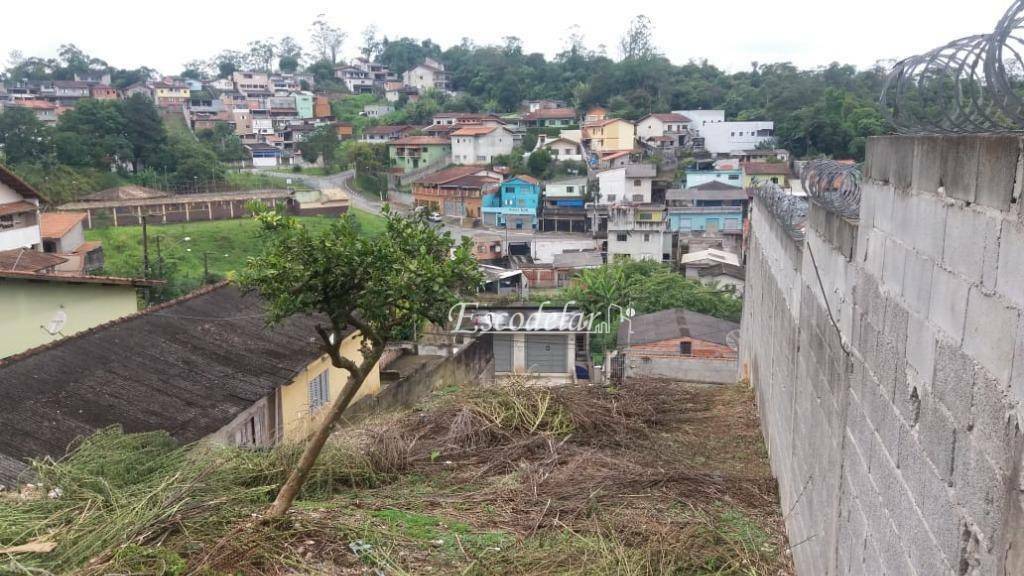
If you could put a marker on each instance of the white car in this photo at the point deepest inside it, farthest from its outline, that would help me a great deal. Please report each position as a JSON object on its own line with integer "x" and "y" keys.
{"x": 435, "y": 217}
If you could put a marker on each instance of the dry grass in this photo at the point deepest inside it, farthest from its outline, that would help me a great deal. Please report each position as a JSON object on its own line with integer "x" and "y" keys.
{"x": 653, "y": 478}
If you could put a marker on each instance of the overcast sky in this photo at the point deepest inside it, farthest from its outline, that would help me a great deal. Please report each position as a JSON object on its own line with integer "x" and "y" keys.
{"x": 730, "y": 35}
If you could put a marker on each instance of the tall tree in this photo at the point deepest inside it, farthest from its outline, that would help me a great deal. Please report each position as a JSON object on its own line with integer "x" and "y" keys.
{"x": 23, "y": 138}
{"x": 144, "y": 131}
{"x": 260, "y": 55}
{"x": 327, "y": 39}
{"x": 381, "y": 286}
{"x": 372, "y": 46}
{"x": 638, "y": 41}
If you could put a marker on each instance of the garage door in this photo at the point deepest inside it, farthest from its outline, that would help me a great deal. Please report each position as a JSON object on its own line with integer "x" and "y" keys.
{"x": 502, "y": 352}
{"x": 546, "y": 353}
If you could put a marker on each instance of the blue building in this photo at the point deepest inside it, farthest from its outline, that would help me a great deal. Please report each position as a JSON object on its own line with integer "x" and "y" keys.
{"x": 695, "y": 178}
{"x": 514, "y": 205}
{"x": 711, "y": 207}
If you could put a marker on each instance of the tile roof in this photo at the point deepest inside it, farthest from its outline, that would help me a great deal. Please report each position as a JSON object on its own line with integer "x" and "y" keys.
{"x": 387, "y": 129}
{"x": 421, "y": 141}
{"x": 452, "y": 174}
{"x": 17, "y": 208}
{"x": 72, "y": 278}
{"x": 57, "y": 224}
{"x": 674, "y": 323}
{"x": 474, "y": 130}
{"x": 188, "y": 367}
{"x": 765, "y": 168}
{"x": 26, "y": 260}
{"x": 551, "y": 114}
{"x": 125, "y": 193}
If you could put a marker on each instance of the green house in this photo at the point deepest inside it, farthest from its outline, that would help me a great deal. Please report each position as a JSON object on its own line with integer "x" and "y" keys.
{"x": 414, "y": 152}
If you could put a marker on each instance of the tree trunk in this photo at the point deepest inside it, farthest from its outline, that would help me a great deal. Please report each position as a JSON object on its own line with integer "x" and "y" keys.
{"x": 316, "y": 442}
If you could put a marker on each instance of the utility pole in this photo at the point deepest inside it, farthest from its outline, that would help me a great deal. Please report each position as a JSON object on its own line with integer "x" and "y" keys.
{"x": 145, "y": 250}
{"x": 206, "y": 268}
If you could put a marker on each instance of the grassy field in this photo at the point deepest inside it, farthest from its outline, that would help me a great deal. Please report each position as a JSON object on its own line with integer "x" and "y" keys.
{"x": 650, "y": 478}
{"x": 226, "y": 243}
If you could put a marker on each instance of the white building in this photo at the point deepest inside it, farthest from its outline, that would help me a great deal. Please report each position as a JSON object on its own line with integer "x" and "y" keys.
{"x": 377, "y": 110}
{"x": 627, "y": 184}
{"x": 638, "y": 232}
{"x": 357, "y": 81}
{"x": 701, "y": 118}
{"x": 729, "y": 137}
{"x": 668, "y": 128}
{"x": 430, "y": 75}
{"x": 479, "y": 144}
{"x": 19, "y": 213}
{"x": 560, "y": 148}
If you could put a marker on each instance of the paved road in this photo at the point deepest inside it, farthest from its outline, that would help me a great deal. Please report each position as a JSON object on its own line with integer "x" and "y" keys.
{"x": 403, "y": 202}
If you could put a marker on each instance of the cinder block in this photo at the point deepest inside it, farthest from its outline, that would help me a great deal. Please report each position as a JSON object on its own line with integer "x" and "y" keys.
{"x": 917, "y": 282}
{"x": 1010, "y": 275}
{"x": 893, "y": 266}
{"x": 960, "y": 166}
{"x": 927, "y": 214}
{"x": 878, "y": 158}
{"x": 990, "y": 333}
{"x": 937, "y": 435}
{"x": 948, "y": 306}
{"x": 997, "y": 170}
{"x": 921, "y": 348}
{"x": 939, "y": 516}
{"x": 885, "y": 198}
{"x": 995, "y": 421}
{"x": 902, "y": 162}
{"x": 981, "y": 490}
{"x": 928, "y": 163}
{"x": 968, "y": 233}
{"x": 954, "y": 382}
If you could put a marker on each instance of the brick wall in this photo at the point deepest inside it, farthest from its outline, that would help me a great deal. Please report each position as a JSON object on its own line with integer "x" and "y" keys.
{"x": 888, "y": 358}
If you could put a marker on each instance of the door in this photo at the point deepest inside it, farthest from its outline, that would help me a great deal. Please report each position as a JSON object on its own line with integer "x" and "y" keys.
{"x": 502, "y": 353}
{"x": 547, "y": 353}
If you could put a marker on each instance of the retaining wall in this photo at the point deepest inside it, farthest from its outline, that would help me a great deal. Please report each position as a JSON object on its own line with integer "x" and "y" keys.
{"x": 888, "y": 358}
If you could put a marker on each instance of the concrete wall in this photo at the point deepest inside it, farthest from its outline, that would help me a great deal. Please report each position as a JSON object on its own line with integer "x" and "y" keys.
{"x": 31, "y": 305}
{"x": 888, "y": 361}
{"x": 683, "y": 368}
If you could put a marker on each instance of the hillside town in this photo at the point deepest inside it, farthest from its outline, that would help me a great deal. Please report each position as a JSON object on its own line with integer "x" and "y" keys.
{"x": 469, "y": 310}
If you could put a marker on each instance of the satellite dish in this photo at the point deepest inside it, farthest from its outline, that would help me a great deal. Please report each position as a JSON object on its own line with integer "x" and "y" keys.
{"x": 732, "y": 340}
{"x": 56, "y": 324}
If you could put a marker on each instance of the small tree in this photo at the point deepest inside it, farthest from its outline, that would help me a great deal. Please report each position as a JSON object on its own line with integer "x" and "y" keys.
{"x": 381, "y": 286}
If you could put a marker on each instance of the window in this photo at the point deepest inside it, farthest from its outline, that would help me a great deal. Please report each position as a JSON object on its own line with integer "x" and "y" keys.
{"x": 644, "y": 216}
{"x": 568, "y": 189}
{"x": 620, "y": 237}
{"x": 6, "y": 221}
{"x": 734, "y": 176}
{"x": 636, "y": 183}
{"x": 319, "y": 391}
{"x": 638, "y": 197}
{"x": 611, "y": 197}
{"x": 647, "y": 237}
{"x": 686, "y": 348}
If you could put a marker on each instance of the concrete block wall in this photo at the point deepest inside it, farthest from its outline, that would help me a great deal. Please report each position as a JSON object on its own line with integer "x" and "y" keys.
{"x": 888, "y": 357}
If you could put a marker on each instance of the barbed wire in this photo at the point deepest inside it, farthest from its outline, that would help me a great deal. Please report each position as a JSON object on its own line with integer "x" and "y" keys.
{"x": 790, "y": 210}
{"x": 969, "y": 85}
{"x": 834, "y": 185}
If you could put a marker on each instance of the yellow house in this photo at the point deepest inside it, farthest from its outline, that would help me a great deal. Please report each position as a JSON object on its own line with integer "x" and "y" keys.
{"x": 610, "y": 135}
{"x": 42, "y": 306}
{"x": 305, "y": 399}
{"x": 757, "y": 173}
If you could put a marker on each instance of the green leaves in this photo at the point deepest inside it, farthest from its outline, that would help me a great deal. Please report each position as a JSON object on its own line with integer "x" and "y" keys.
{"x": 382, "y": 284}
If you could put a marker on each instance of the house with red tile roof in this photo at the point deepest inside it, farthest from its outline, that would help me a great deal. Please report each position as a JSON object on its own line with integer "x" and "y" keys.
{"x": 455, "y": 191}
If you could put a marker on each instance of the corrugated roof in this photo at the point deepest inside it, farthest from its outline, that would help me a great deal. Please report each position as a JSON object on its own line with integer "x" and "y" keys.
{"x": 189, "y": 367}
{"x": 674, "y": 323}
{"x": 449, "y": 174}
{"x": 17, "y": 208}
